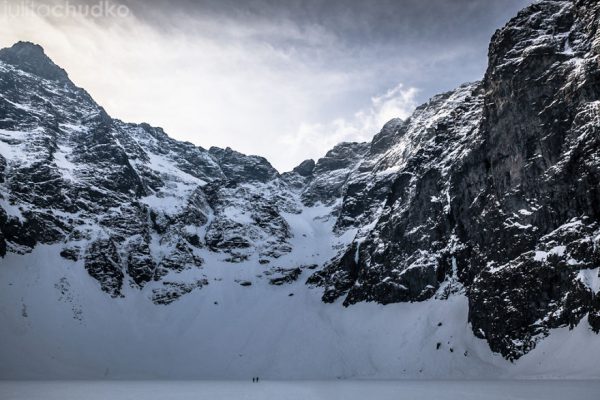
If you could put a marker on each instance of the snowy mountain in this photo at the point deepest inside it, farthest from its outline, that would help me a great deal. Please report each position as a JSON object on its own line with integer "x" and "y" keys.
{"x": 463, "y": 241}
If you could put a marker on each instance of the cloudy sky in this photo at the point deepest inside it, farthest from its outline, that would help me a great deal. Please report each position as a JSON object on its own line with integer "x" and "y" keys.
{"x": 283, "y": 79}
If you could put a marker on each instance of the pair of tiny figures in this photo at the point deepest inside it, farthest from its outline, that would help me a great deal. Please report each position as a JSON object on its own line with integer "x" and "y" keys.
{"x": 255, "y": 379}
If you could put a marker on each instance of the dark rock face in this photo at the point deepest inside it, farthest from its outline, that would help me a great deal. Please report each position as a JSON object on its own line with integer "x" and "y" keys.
{"x": 491, "y": 191}
{"x": 389, "y": 134}
{"x": 280, "y": 276}
{"x": 542, "y": 178}
{"x": 102, "y": 262}
{"x": 174, "y": 290}
{"x": 241, "y": 168}
{"x": 306, "y": 168}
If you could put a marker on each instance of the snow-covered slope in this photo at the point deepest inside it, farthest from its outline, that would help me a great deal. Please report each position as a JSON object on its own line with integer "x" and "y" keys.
{"x": 57, "y": 324}
{"x": 459, "y": 239}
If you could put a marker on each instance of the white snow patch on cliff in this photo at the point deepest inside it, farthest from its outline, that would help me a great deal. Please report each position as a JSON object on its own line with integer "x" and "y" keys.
{"x": 590, "y": 279}
{"x": 61, "y": 160}
{"x": 258, "y": 330}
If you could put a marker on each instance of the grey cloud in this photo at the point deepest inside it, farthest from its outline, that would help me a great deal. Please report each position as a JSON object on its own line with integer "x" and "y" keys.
{"x": 278, "y": 66}
{"x": 431, "y": 44}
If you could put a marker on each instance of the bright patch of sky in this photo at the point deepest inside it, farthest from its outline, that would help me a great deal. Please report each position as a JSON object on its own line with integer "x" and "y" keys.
{"x": 283, "y": 80}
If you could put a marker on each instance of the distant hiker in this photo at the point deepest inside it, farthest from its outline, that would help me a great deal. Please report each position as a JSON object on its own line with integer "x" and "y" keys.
{"x": 253, "y": 379}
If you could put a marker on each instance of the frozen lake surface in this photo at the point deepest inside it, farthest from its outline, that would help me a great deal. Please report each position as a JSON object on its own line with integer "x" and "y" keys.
{"x": 300, "y": 390}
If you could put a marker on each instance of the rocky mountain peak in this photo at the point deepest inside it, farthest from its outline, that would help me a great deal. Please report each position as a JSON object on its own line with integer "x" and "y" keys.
{"x": 387, "y": 136}
{"x": 305, "y": 168}
{"x": 241, "y": 167}
{"x": 30, "y": 57}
